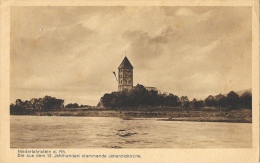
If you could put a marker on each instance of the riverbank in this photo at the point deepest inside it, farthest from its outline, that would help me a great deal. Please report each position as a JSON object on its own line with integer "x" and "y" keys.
{"x": 166, "y": 114}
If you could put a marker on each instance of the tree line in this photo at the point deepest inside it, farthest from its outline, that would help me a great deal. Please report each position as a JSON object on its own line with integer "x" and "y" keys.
{"x": 45, "y": 103}
{"x": 232, "y": 100}
{"x": 140, "y": 96}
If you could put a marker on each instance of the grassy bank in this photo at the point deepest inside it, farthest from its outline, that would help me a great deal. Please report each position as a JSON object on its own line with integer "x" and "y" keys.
{"x": 242, "y": 115}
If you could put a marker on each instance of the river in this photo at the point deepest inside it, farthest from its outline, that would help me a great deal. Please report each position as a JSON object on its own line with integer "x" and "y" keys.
{"x": 109, "y": 132}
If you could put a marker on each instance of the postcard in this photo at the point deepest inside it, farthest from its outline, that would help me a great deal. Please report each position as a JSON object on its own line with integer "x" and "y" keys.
{"x": 130, "y": 81}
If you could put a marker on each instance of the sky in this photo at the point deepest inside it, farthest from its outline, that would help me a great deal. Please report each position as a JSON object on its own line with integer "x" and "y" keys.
{"x": 71, "y": 52}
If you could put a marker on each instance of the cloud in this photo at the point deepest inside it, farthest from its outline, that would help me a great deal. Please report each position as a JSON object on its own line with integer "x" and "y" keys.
{"x": 147, "y": 47}
{"x": 199, "y": 53}
{"x": 71, "y": 52}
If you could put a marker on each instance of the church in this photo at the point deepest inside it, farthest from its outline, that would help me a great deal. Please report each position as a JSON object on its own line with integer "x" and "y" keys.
{"x": 126, "y": 77}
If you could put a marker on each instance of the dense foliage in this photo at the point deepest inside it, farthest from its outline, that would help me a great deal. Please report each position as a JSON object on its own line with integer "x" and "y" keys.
{"x": 139, "y": 96}
{"x": 75, "y": 105}
{"x": 232, "y": 100}
{"x": 45, "y": 103}
{"x": 246, "y": 99}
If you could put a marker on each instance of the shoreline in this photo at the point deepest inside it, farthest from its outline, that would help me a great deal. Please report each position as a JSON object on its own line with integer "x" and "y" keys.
{"x": 229, "y": 116}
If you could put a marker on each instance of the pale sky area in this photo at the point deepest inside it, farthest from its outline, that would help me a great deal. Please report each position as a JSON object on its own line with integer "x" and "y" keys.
{"x": 71, "y": 52}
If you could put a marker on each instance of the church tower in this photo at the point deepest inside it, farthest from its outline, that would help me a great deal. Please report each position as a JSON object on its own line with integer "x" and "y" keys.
{"x": 125, "y": 75}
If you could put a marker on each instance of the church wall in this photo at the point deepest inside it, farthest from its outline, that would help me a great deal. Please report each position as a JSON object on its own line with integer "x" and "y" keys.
{"x": 125, "y": 79}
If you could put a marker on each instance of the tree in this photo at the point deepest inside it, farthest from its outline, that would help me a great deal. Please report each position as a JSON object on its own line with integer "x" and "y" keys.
{"x": 197, "y": 103}
{"x": 221, "y": 100}
{"x": 39, "y": 104}
{"x": 19, "y": 106}
{"x": 19, "y": 102}
{"x": 50, "y": 103}
{"x": 210, "y": 101}
{"x": 28, "y": 104}
{"x": 233, "y": 99}
{"x": 139, "y": 94}
{"x": 246, "y": 99}
{"x": 185, "y": 101}
{"x": 172, "y": 100}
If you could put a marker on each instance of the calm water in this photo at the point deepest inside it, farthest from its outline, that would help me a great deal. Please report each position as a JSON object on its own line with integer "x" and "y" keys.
{"x": 104, "y": 132}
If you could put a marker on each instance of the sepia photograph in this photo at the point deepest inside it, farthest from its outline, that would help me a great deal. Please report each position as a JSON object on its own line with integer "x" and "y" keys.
{"x": 129, "y": 81}
{"x": 131, "y": 77}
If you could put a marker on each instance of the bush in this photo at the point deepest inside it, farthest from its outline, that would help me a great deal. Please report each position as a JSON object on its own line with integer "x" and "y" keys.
{"x": 75, "y": 105}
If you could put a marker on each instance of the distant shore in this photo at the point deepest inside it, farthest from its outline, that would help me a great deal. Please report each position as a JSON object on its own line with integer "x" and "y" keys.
{"x": 242, "y": 115}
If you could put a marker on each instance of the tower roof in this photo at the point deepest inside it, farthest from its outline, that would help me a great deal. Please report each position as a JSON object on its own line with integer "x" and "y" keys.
{"x": 125, "y": 64}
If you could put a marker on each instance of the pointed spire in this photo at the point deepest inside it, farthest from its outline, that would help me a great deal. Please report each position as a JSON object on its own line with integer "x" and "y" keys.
{"x": 126, "y": 64}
